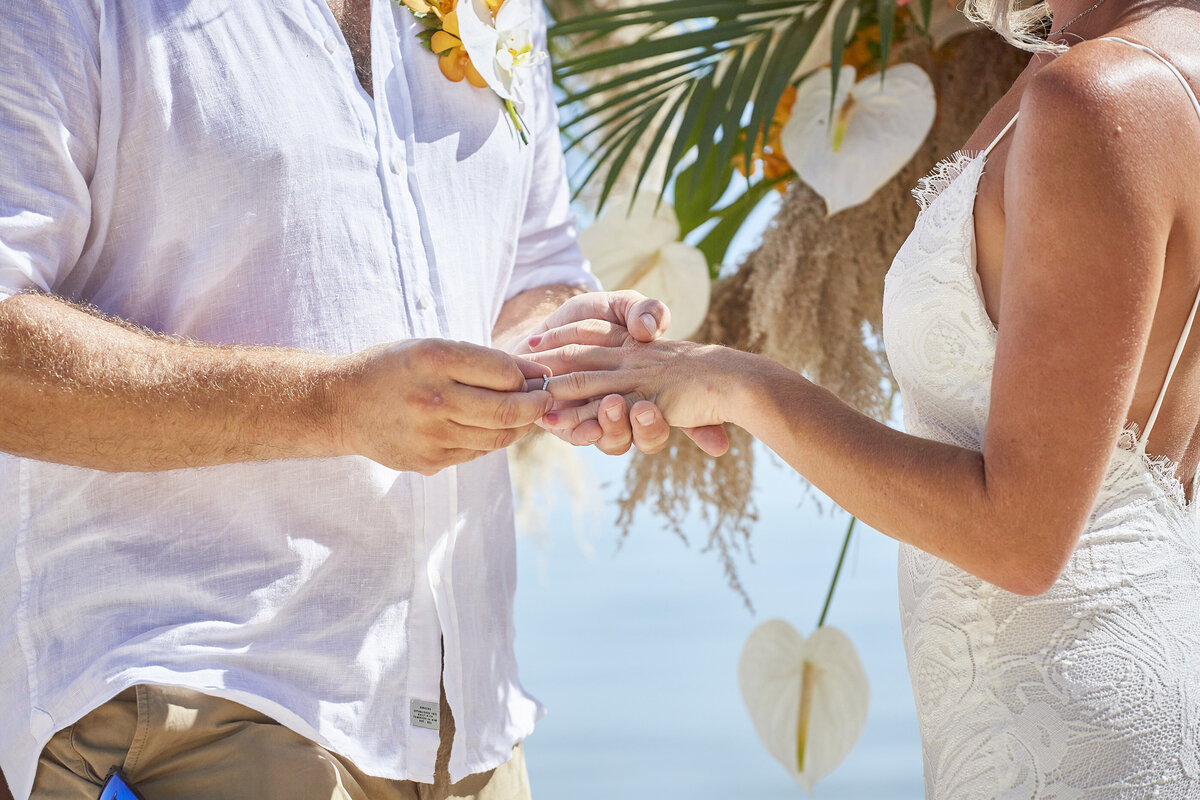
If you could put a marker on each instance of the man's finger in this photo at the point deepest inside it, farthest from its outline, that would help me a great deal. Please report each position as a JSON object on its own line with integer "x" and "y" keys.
{"x": 596, "y": 332}
{"x": 474, "y": 365}
{"x": 481, "y": 408}
{"x": 614, "y": 422}
{"x": 712, "y": 439}
{"x": 647, "y": 319}
{"x": 485, "y": 440}
{"x": 650, "y": 429}
{"x": 532, "y": 371}
{"x": 583, "y": 435}
{"x": 571, "y": 417}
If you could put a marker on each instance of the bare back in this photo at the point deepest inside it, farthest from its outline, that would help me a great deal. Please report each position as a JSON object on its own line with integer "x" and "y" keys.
{"x": 1175, "y": 433}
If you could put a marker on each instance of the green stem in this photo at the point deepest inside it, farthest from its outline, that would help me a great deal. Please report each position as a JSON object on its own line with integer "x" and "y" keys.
{"x": 517, "y": 122}
{"x": 837, "y": 571}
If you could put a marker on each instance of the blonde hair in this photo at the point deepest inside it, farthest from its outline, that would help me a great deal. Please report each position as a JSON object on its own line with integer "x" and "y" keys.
{"x": 1019, "y": 24}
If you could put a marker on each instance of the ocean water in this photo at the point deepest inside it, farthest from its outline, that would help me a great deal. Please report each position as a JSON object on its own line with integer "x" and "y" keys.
{"x": 634, "y": 648}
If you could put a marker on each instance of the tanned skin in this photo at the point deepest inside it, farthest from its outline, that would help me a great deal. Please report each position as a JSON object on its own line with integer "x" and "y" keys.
{"x": 1089, "y": 259}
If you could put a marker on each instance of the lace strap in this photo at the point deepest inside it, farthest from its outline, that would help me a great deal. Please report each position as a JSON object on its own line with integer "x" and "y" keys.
{"x": 1187, "y": 328}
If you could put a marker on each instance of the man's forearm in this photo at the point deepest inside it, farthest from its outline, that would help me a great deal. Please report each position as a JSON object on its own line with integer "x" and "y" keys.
{"x": 82, "y": 390}
{"x": 523, "y": 312}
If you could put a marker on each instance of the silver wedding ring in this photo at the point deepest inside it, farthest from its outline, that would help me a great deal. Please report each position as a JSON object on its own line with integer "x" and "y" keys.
{"x": 545, "y": 383}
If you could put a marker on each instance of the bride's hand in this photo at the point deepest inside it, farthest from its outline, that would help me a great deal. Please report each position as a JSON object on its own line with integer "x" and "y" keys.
{"x": 614, "y": 416}
{"x": 687, "y": 382}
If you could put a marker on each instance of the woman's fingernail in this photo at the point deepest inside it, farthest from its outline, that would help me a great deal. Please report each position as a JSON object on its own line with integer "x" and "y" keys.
{"x": 650, "y": 322}
{"x": 594, "y": 439}
{"x": 534, "y": 341}
{"x": 646, "y": 417}
{"x": 614, "y": 413}
{"x": 552, "y": 418}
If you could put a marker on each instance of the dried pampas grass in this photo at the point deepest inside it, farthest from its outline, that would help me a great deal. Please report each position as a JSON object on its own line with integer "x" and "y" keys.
{"x": 811, "y": 296}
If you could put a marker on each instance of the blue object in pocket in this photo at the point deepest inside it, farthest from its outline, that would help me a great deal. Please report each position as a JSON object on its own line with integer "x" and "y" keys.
{"x": 115, "y": 788}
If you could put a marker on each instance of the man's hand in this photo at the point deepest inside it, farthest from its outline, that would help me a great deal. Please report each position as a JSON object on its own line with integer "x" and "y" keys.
{"x": 617, "y": 319}
{"x": 427, "y": 404}
{"x": 605, "y": 319}
{"x": 608, "y": 319}
{"x": 597, "y": 318}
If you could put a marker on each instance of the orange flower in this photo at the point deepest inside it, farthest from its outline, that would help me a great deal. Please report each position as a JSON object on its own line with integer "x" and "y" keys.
{"x": 439, "y": 8}
{"x": 858, "y": 52}
{"x": 770, "y": 152}
{"x": 454, "y": 61}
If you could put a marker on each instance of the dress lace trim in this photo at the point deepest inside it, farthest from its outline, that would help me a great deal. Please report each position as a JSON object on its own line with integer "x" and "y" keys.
{"x": 1164, "y": 471}
{"x": 944, "y": 173}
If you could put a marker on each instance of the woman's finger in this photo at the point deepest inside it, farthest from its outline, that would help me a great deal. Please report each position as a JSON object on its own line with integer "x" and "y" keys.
{"x": 650, "y": 429}
{"x": 594, "y": 332}
{"x": 585, "y": 385}
{"x": 581, "y": 358}
{"x": 614, "y": 421}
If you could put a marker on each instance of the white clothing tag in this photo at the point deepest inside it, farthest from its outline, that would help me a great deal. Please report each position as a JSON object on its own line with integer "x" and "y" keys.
{"x": 424, "y": 714}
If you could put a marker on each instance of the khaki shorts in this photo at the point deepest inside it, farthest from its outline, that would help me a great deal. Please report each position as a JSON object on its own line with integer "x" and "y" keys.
{"x": 179, "y": 744}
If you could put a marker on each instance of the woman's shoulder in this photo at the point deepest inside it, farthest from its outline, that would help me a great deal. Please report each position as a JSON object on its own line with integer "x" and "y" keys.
{"x": 1105, "y": 87}
{"x": 1113, "y": 113}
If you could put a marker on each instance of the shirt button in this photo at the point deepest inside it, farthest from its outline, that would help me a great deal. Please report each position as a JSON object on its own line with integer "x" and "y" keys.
{"x": 397, "y": 163}
{"x": 435, "y": 579}
{"x": 424, "y": 299}
{"x": 331, "y": 43}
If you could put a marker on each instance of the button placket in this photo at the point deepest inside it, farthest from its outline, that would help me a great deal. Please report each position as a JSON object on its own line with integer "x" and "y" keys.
{"x": 398, "y": 179}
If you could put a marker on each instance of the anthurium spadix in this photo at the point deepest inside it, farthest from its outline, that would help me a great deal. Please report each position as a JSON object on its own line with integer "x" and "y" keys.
{"x": 807, "y": 697}
{"x": 638, "y": 248}
{"x": 876, "y": 126}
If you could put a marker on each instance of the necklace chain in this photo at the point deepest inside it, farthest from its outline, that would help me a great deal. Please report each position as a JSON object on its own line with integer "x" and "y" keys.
{"x": 1077, "y": 17}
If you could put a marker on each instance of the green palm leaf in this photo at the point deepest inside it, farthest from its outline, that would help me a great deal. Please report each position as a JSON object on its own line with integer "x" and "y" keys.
{"x": 698, "y": 84}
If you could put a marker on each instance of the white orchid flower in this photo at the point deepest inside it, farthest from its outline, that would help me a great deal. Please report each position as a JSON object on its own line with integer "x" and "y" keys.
{"x": 501, "y": 47}
{"x": 639, "y": 248}
{"x": 877, "y": 126}
{"x": 807, "y": 698}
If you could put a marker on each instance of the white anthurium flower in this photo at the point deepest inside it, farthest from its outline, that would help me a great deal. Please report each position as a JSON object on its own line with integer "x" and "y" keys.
{"x": 807, "y": 698}
{"x": 639, "y": 248}
{"x": 501, "y": 49}
{"x": 877, "y": 126}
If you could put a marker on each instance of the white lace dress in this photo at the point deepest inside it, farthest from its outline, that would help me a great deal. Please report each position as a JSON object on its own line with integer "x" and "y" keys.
{"x": 1091, "y": 690}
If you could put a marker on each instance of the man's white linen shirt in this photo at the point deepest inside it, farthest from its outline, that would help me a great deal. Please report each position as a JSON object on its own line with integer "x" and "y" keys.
{"x": 213, "y": 169}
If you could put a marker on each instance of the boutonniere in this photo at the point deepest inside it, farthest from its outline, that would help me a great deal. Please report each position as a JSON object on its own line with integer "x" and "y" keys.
{"x": 488, "y": 43}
